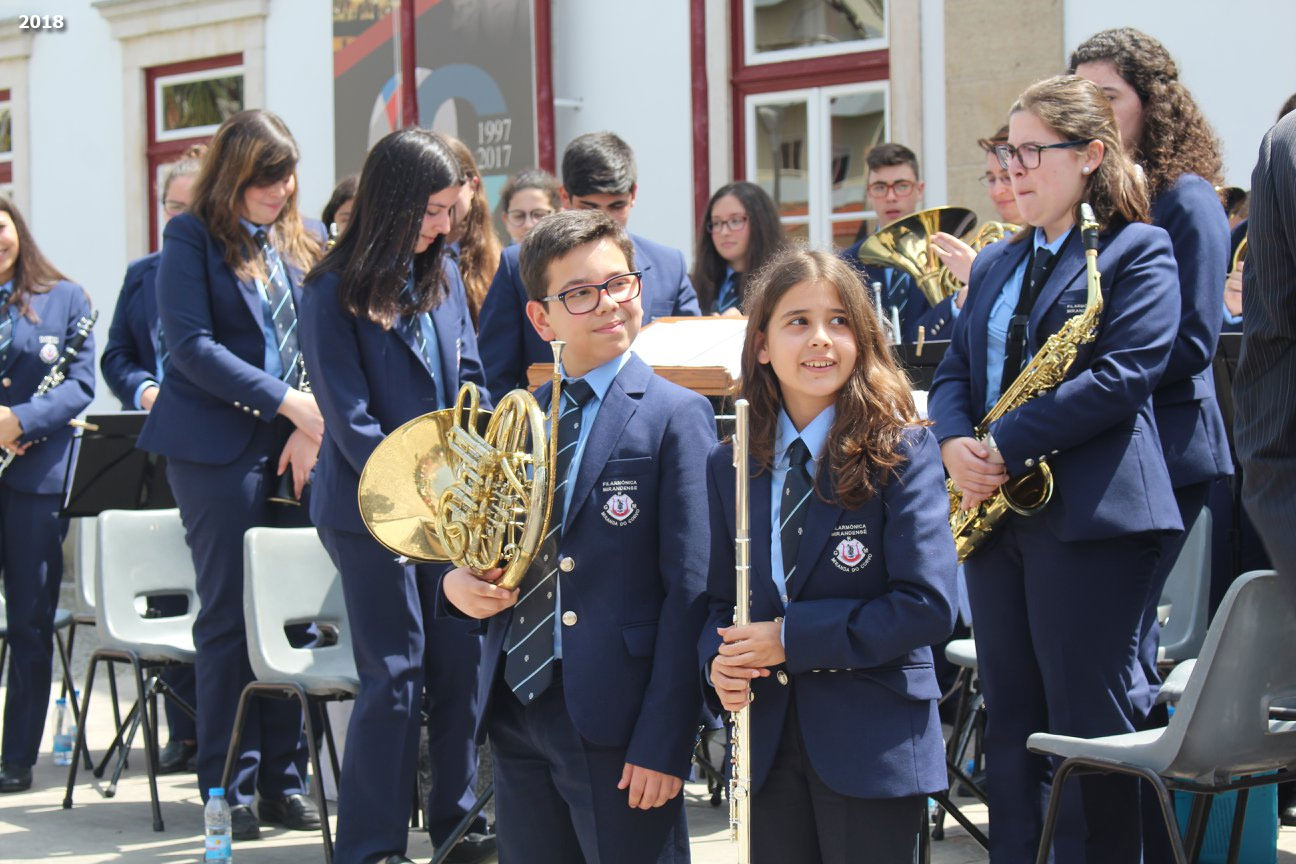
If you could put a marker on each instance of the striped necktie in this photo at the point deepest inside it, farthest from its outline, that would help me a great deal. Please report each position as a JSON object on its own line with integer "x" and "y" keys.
{"x": 283, "y": 313}
{"x": 528, "y": 666}
{"x": 419, "y": 326}
{"x": 792, "y": 506}
{"x": 6, "y": 328}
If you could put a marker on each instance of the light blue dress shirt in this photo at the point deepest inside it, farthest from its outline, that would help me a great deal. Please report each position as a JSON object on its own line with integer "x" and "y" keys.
{"x": 1230, "y": 318}
{"x": 428, "y": 329}
{"x": 815, "y": 436}
{"x": 1001, "y": 314}
{"x": 599, "y": 379}
{"x": 273, "y": 362}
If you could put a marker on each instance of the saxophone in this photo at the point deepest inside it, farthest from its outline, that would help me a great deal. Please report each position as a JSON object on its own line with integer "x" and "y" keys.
{"x": 1031, "y": 492}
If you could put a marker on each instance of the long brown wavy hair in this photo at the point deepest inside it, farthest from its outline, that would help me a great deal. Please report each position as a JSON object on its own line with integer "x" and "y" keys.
{"x": 1077, "y": 110}
{"x": 252, "y": 148}
{"x": 873, "y": 407}
{"x": 33, "y": 272}
{"x": 1176, "y": 137}
{"x": 764, "y": 239}
{"x": 479, "y": 248}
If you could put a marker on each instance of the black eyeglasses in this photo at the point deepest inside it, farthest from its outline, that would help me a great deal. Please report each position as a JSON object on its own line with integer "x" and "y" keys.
{"x": 900, "y": 187}
{"x": 992, "y": 180}
{"x": 518, "y": 218}
{"x": 584, "y": 299}
{"x": 1028, "y": 155}
{"x": 734, "y": 223}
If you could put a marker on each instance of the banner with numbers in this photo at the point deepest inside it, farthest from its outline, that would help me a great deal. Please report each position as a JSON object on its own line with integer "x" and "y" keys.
{"x": 475, "y": 74}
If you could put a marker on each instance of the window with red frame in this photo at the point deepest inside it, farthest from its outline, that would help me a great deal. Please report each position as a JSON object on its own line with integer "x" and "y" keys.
{"x": 6, "y": 145}
{"x": 810, "y": 97}
{"x": 186, "y": 103}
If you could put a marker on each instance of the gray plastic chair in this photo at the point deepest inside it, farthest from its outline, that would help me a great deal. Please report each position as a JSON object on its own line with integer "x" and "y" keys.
{"x": 1222, "y": 729}
{"x": 140, "y": 553}
{"x": 1187, "y": 593}
{"x": 288, "y": 578}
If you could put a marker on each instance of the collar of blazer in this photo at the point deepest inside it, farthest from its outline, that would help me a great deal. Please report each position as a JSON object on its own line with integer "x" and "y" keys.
{"x": 1070, "y": 266}
{"x": 618, "y": 406}
{"x": 821, "y": 518}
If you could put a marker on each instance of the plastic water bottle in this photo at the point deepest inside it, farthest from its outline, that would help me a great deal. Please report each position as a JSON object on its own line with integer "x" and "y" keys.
{"x": 64, "y": 733}
{"x": 216, "y": 819}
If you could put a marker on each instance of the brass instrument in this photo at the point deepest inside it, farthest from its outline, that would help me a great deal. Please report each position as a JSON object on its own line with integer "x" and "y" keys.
{"x": 58, "y": 371}
{"x": 989, "y": 232}
{"x": 740, "y": 742}
{"x": 905, "y": 245}
{"x": 1239, "y": 254}
{"x": 1031, "y": 492}
{"x": 468, "y": 486}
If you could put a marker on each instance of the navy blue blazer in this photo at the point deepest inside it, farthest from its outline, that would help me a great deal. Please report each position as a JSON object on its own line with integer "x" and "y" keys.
{"x": 1096, "y": 429}
{"x": 629, "y": 660}
{"x": 45, "y": 419}
{"x": 1188, "y": 417}
{"x": 368, "y": 381}
{"x": 130, "y": 358}
{"x": 217, "y": 389}
{"x": 509, "y": 342}
{"x": 874, "y": 588}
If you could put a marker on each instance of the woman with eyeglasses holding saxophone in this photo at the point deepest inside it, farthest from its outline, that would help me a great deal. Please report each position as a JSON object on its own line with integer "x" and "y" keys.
{"x": 1057, "y": 596}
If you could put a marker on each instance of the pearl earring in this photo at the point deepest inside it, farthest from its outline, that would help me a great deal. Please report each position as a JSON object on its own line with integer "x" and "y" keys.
{"x": 1084, "y": 170}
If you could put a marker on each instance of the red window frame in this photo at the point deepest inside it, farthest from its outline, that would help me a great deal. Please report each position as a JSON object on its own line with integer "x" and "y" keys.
{"x": 6, "y": 165}
{"x": 855, "y": 68}
{"x": 159, "y": 153}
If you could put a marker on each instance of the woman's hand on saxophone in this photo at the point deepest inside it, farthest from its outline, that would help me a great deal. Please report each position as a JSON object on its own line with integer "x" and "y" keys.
{"x": 976, "y": 470}
{"x": 476, "y": 595}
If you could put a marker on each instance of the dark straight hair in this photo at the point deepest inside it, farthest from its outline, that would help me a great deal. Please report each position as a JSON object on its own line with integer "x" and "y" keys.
{"x": 343, "y": 192}
{"x": 764, "y": 239}
{"x": 599, "y": 163}
{"x": 556, "y": 235}
{"x": 33, "y": 272}
{"x": 374, "y": 254}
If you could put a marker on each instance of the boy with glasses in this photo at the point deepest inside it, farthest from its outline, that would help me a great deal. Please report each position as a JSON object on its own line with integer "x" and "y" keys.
{"x": 589, "y": 693}
{"x": 598, "y": 173}
{"x": 894, "y": 192}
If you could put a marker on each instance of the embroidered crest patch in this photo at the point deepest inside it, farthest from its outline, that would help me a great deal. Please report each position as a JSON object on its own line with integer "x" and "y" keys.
{"x": 49, "y": 352}
{"x": 851, "y": 555}
{"x": 620, "y": 509}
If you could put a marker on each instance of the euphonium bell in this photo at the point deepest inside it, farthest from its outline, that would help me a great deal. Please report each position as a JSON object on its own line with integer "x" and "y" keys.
{"x": 905, "y": 244}
{"x": 465, "y": 485}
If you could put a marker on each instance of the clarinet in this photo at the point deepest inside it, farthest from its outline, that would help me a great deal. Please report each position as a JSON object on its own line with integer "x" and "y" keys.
{"x": 58, "y": 371}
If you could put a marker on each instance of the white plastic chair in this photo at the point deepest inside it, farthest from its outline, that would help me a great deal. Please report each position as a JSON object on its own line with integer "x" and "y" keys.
{"x": 290, "y": 579}
{"x": 1222, "y": 735}
{"x": 140, "y": 553}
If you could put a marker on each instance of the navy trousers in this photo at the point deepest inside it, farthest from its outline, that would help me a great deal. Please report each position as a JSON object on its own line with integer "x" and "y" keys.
{"x": 798, "y": 819}
{"x": 1057, "y": 629}
{"x": 31, "y": 554}
{"x": 180, "y": 726}
{"x": 556, "y": 800}
{"x": 405, "y": 657}
{"x": 218, "y": 504}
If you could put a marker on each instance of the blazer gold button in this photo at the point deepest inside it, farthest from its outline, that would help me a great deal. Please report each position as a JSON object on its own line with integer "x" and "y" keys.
{"x": 256, "y": 412}
{"x": 238, "y": 405}
{"x": 569, "y": 618}
{"x": 1030, "y": 463}
{"x": 6, "y": 381}
{"x": 566, "y": 565}
{"x": 782, "y": 677}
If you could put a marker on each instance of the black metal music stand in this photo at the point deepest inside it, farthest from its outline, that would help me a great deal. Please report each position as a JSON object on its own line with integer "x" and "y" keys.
{"x": 107, "y": 472}
{"x": 919, "y": 361}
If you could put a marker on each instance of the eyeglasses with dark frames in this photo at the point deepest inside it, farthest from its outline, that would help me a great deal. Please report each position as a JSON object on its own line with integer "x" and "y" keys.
{"x": 1028, "y": 155}
{"x": 583, "y": 299}
{"x": 733, "y": 223}
{"x": 900, "y": 187}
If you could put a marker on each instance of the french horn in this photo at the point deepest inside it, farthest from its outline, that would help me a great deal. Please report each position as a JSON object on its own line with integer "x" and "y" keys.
{"x": 466, "y": 485}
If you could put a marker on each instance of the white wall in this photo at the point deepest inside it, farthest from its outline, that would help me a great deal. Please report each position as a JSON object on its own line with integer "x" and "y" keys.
{"x": 76, "y": 155}
{"x": 299, "y": 88}
{"x": 1236, "y": 58}
{"x": 632, "y": 79}
{"x": 933, "y": 157}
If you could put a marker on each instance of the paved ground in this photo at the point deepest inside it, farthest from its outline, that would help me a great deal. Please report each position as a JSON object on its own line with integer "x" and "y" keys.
{"x": 35, "y": 827}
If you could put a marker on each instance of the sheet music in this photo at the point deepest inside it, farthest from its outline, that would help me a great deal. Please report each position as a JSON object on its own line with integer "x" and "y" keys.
{"x": 713, "y": 341}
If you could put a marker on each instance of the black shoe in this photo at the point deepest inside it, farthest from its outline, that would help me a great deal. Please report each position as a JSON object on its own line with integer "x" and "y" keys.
{"x": 15, "y": 778}
{"x": 472, "y": 848}
{"x": 294, "y": 812}
{"x": 243, "y": 823}
{"x": 176, "y": 757}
